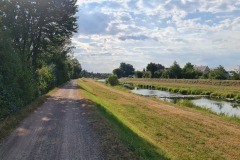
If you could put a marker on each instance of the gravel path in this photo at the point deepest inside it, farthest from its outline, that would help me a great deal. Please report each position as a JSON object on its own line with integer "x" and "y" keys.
{"x": 58, "y": 130}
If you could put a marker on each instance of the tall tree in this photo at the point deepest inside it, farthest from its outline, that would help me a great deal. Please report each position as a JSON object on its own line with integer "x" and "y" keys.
{"x": 189, "y": 72}
{"x": 127, "y": 69}
{"x": 37, "y": 24}
{"x": 17, "y": 86}
{"x": 219, "y": 73}
{"x": 76, "y": 68}
{"x": 175, "y": 71}
{"x": 153, "y": 67}
{"x": 35, "y": 47}
{"x": 138, "y": 74}
{"x": 118, "y": 72}
{"x": 124, "y": 70}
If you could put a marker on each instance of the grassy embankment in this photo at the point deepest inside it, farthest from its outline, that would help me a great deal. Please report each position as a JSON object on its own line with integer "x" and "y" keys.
{"x": 214, "y": 88}
{"x": 156, "y": 130}
{"x": 7, "y": 125}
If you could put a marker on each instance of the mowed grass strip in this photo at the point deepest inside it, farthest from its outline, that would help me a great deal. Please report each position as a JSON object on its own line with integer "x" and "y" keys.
{"x": 172, "y": 132}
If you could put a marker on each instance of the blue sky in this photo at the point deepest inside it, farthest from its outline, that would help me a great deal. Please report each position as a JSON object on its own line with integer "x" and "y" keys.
{"x": 203, "y": 32}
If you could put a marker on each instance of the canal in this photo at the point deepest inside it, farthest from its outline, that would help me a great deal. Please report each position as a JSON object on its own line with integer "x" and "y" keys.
{"x": 217, "y": 106}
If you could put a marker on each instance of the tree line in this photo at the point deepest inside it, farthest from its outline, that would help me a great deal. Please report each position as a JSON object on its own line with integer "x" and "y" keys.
{"x": 35, "y": 50}
{"x": 189, "y": 71}
{"x": 87, "y": 74}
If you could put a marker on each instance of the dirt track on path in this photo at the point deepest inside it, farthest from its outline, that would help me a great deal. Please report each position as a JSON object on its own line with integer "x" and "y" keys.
{"x": 60, "y": 130}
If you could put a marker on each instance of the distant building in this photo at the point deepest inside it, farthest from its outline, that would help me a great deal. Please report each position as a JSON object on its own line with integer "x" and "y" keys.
{"x": 203, "y": 69}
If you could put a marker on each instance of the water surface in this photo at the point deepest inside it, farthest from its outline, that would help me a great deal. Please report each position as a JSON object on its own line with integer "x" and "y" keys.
{"x": 102, "y": 80}
{"x": 219, "y": 107}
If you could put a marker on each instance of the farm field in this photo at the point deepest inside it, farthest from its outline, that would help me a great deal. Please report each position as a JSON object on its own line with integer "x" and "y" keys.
{"x": 221, "y": 88}
{"x": 158, "y": 130}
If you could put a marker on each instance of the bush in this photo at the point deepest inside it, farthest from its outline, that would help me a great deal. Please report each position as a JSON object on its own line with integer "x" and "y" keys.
{"x": 17, "y": 85}
{"x": 183, "y": 91}
{"x": 113, "y": 80}
{"x": 237, "y": 96}
{"x": 46, "y": 78}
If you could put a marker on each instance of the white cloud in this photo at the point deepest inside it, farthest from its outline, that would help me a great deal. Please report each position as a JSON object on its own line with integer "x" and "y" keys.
{"x": 140, "y": 31}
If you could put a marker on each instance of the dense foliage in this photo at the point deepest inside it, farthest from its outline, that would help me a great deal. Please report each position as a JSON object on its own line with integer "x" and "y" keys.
{"x": 113, "y": 80}
{"x": 189, "y": 71}
{"x": 35, "y": 49}
{"x": 154, "y": 69}
{"x": 125, "y": 70}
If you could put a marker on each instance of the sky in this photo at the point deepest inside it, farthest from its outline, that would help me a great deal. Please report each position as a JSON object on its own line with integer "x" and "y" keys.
{"x": 203, "y": 32}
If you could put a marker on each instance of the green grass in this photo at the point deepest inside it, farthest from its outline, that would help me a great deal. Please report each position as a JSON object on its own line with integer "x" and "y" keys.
{"x": 138, "y": 145}
{"x": 156, "y": 130}
{"x": 142, "y": 148}
{"x": 11, "y": 122}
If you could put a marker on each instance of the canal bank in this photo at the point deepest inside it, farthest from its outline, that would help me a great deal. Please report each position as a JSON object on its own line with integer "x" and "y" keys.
{"x": 217, "y": 106}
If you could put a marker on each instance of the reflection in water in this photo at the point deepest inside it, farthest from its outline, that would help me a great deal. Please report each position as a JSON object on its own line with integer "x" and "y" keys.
{"x": 235, "y": 105}
{"x": 219, "y": 107}
{"x": 158, "y": 93}
{"x": 102, "y": 80}
{"x": 151, "y": 92}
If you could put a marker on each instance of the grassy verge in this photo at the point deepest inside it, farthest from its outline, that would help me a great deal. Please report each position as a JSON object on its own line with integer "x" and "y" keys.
{"x": 156, "y": 130}
{"x": 104, "y": 127}
{"x": 213, "y": 88}
{"x": 12, "y": 121}
{"x": 186, "y": 103}
{"x": 142, "y": 148}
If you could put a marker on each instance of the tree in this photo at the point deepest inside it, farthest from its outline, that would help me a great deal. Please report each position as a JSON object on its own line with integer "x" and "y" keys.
{"x": 234, "y": 75}
{"x": 17, "y": 85}
{"x": 158, "y": 74}
{"x": 175, "y": 71}
{"x": 153, "y": 67}
{"x": 118, "y": 72}
{"x": 189, "y": 72}
{"x": 147, "y": 74}
{"x": 165, "y": 74}
{"x": 35, "y": 49}
{"x": 219, "y": 73}
{"x": 76, "y": 68}
{"x": 124, "y": 70}
{"x": 138, "y": 74}
{"x": 127, "y": 69}
{"x": 37, "y": 24}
